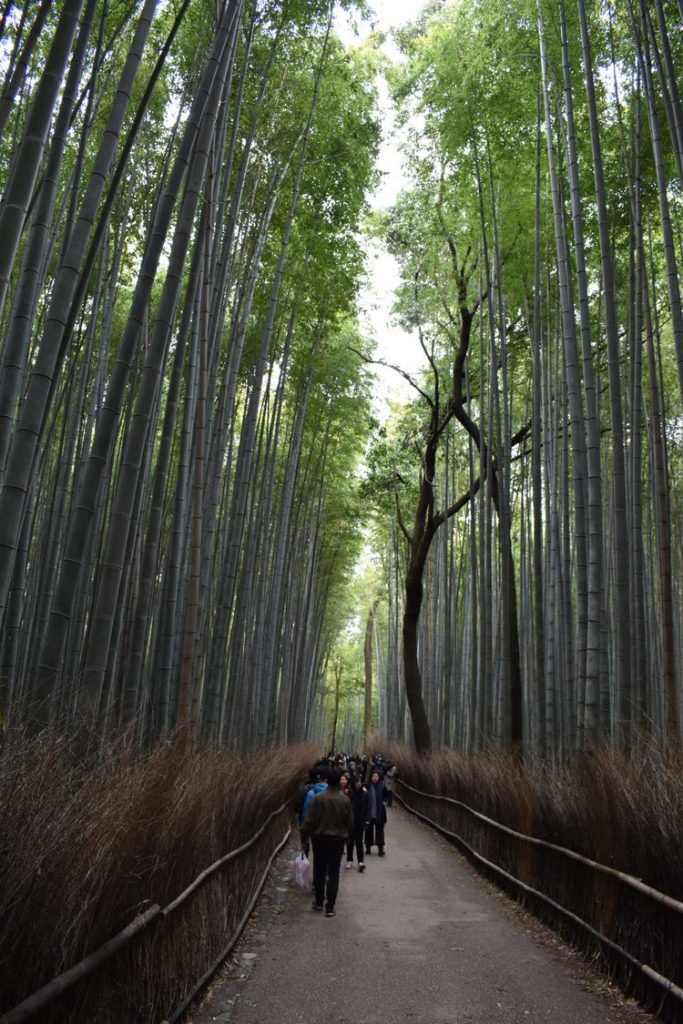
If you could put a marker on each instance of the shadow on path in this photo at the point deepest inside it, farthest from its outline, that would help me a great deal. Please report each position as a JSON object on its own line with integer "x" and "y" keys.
{"x": 419, "y": 938}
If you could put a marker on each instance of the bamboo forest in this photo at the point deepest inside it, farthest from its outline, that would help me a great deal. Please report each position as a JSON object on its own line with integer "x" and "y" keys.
{"x": 191, "y": 462}
{"x": 341, "y": 408}
{"x": 200, "y": 508}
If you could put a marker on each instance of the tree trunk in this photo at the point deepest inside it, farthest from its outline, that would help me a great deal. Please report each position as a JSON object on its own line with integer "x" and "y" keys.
{"x": 367, "y": 655}
{"x": 24, "y": 167}
{"x": 622, "y": 650}
{"x": 411, "y": 666}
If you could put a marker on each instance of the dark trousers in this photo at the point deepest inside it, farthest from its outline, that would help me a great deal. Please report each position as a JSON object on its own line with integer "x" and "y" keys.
{"x": 356, "y": 841}
{"x": 374, "y": 834}
{"x": 327, "y": 855}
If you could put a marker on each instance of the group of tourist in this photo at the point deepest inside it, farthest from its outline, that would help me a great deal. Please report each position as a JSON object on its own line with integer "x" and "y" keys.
{"x": 343, "y": 807}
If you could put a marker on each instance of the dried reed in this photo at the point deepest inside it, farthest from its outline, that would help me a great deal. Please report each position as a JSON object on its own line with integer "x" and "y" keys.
{"x": 624, "y": 811}
{"x": 84, "y": 848}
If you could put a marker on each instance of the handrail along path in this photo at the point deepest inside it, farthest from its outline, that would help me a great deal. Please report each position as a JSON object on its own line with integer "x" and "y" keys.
{"x": 669, "y": 993}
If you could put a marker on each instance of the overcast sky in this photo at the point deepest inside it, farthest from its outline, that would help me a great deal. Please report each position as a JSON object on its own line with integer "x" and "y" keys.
{"x": 393, "y": 345}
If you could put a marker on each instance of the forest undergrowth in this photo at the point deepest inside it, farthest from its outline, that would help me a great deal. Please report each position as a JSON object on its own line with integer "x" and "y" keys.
{"x": 619, "y": 810}
{"x": 84, "y": 849}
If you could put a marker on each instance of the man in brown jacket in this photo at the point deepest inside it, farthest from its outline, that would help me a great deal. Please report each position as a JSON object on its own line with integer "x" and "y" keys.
{"x": 329, "y": 823}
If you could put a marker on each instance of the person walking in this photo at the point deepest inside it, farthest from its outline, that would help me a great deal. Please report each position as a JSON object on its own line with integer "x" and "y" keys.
{"x": 358, "y": 796}
{"x": 312, "y": 787}
{"x": 377, "y": 815}
{"x": 389, "y": 782}
{"x": 329, "y": 823}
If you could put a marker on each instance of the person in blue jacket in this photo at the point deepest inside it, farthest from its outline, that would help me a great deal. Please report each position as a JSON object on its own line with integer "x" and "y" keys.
{"x": 317, "y": 787}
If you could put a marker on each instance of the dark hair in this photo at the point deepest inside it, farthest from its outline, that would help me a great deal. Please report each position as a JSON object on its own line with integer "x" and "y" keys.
{"x": 334, "y": 778}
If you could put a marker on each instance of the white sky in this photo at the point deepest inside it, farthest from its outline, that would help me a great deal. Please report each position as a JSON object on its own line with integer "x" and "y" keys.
{"x": 393, "y": 344}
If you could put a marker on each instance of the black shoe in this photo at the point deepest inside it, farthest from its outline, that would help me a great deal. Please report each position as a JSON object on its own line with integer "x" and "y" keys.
{"x": 368, "y": 850}
{"x": 330, "y": 912}
{"x": 317, "y": 906}
{"x": 381, "y": 853}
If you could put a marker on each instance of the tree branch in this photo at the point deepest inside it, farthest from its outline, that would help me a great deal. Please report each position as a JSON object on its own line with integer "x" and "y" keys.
{"x": 420, "y": 332}
{"x": 397, "y": 369}
{"x": 448, "y": 513}
{"x": 399, "y": 514}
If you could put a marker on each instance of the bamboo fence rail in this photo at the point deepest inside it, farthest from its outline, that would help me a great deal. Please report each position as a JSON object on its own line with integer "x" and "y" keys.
{"x": 666, "y": 986}
{"x": 205, "y": 978}
{"x": 49, "y": 992}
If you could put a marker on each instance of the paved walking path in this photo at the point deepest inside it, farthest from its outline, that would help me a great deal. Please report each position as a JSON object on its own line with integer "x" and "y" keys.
{"x": 419, "y": 938}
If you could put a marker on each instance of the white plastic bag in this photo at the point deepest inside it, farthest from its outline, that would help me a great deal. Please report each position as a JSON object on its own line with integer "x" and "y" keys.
{"x": 302, "y": 871}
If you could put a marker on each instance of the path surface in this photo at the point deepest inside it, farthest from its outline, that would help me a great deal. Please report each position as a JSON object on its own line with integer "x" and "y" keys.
{"x": 419, "y": 938}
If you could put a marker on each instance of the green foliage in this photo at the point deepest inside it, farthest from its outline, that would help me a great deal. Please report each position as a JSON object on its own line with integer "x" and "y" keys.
{"x": 338, "y": 424}
{"x": 281, "y": 208}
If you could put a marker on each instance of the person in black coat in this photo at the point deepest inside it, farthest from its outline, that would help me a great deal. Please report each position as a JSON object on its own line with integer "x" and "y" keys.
{"x": 358, "y": 796}
{"x": 377, "y": 814}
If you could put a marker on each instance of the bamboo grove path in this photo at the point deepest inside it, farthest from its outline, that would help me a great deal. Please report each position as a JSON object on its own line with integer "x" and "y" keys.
{"x": 419, "y": 938}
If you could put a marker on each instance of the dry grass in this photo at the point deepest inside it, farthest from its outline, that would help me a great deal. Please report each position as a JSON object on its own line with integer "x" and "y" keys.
{"x": 83, "y": 850}
{"x": 622, "y": 811}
